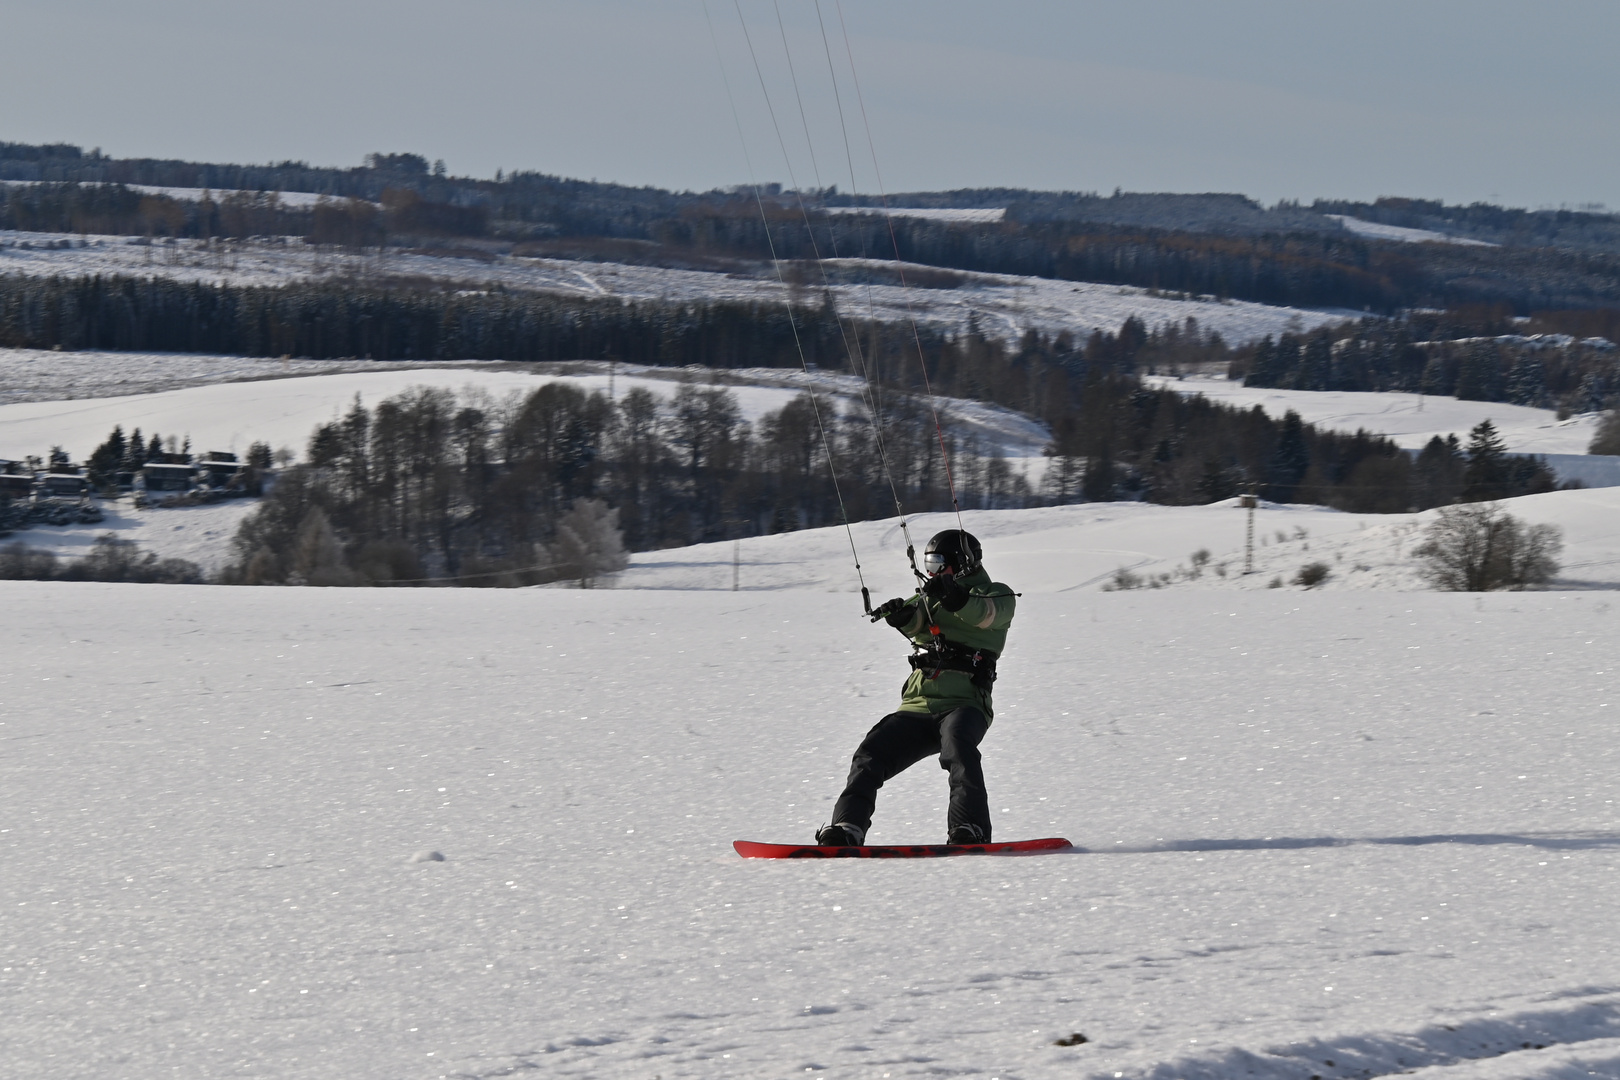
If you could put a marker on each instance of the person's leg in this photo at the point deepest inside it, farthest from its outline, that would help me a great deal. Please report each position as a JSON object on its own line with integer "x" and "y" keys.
{"x": 960, "y": 732}
{"x": 894, "y": 744}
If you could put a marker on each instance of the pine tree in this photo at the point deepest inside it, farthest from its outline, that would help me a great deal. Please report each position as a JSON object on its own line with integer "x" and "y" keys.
{"x": 1480, "y": 377}
{"x": 1486, "y": 475}
{"x": 1291, "y": 459}
{"x": 105, "y": 460}
{"x": 1527, "y": 380}
{"x": 134, "y": 452}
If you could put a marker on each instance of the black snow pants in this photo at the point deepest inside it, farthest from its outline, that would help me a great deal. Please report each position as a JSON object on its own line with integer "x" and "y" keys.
{"x": 902, "y": 739}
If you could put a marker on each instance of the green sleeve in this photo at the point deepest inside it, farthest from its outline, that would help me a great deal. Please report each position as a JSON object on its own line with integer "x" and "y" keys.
{"x": 992, "y": 612}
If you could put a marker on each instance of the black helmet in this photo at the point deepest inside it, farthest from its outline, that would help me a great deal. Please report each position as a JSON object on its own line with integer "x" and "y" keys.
{"x": 952, "y": 550}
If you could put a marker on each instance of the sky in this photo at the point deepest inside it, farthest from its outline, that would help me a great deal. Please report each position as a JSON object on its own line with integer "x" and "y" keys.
{"x": 1461, "y": 100}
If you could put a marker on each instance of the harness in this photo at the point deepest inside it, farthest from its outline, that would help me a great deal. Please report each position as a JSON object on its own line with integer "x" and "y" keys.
{"x": 941, "y": 655}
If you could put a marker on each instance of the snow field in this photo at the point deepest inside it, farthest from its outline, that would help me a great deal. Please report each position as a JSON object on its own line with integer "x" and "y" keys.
{"x": 1373, "y": 828}
{"x": 1410, "y": 420}
{"x": 1005, "y": 305}
{"x": 1374, "y": 230}
{"x": 34, "y": 375}
{"x": 1081, "y": 548}
{"x": 284, "y": 411}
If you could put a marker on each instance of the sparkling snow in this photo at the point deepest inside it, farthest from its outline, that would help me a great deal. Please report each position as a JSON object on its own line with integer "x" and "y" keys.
{"x": 1327, "y": 833}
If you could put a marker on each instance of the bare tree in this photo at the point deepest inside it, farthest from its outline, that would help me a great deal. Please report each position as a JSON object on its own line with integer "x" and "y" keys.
{"x": 1478, "y": 547}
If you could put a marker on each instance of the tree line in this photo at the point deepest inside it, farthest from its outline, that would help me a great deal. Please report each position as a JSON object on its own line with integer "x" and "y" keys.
{"x": 1285, "y": 255}
{"x": 1479, "y": 354}
{"x": 401, "y": 215}
{"x": 434, "y": 485}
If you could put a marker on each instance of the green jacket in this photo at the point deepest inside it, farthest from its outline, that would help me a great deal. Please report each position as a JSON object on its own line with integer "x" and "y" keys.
{"x": 981, "y": 624}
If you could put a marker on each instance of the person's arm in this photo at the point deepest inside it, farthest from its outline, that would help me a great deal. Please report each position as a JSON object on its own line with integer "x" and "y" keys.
{"x": 904, "y": 615}
{"x": 989, "y": 612}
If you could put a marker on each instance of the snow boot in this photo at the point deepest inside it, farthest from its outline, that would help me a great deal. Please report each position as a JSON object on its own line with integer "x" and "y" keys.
{"x": 968, "y": 834}
{"x": 842, "y": 834}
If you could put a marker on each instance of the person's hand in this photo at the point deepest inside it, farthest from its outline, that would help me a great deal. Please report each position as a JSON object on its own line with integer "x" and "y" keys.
{"x": 946, "y": 591}
{"x": 897, "y": 612}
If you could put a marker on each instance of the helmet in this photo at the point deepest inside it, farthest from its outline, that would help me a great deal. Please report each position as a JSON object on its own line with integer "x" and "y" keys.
{"x": 952, "y": 550}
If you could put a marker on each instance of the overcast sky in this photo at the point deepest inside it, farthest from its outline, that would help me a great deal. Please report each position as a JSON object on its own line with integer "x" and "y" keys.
{"x": 1456, "y": 99}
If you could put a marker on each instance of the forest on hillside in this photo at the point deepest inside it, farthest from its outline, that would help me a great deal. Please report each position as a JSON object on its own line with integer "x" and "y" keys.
{"x": 1217, "y": 245}
{"x": 430, "y": 485}
{"x": 434, "y": 486}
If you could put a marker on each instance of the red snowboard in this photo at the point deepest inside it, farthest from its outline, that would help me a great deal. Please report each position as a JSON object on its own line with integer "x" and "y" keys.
{"x": 748, "y": 849}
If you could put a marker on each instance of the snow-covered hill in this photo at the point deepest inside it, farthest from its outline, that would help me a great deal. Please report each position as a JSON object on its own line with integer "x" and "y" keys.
{"x": 284, "y": 411}
{"x": 1003, "y": 305}
{"x": 1413, "y": 419}
{"x": 1409, "y": 419}
{"x": 1374, "y": 230}
{"x": 1334, "y": 834}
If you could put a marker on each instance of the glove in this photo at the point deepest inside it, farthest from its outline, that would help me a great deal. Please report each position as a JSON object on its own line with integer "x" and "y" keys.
{"x": 944, "y": 590}
{"x": 897, "y": 612}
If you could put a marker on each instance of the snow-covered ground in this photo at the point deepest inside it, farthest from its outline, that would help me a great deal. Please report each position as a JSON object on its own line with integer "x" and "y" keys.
{"x": 40, "y": 375}
{"x": 291, "y": 199}
{"x": 1411, "y": 420}
{"x": 1081, "y": 548}
{"x": 1327, "y": 833}
{"x": 945, "y": 213}
{"x": 284, "y": 412}
{"x": 1004, "y": 305}
{"x": 1375, "y": 231}
{"x": 221, "y": 415}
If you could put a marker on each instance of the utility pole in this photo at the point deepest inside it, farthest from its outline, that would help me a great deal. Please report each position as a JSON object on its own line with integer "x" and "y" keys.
{"x": 1249, "y": 502}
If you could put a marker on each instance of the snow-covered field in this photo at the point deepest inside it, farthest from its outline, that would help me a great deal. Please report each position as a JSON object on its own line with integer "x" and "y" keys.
{"x": 284, "y": 411}
{"x": 1374, "y": 230}
{"x": 38, "y": 375}
{"x": 220, "y": 808}
{"x": 1005, "y": 305}
{"x": 290, "y": 199}
{"x": 1411, "y": 420}
{"x": 943, "y": 213}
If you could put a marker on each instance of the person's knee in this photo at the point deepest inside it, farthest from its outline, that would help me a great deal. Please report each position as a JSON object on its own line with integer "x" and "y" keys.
{"x": 963, "y": 727}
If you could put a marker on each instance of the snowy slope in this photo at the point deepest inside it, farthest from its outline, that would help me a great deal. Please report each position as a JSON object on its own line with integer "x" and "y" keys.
{"x": 1005, "y": 305}
{"x": 39, "y": 375}
{"x": 1374, "y": 230}
{"x": 285, "y": 411}
{"x": 1081, "y": 548}
{"x": 290, "y": 199}
{"x": 1325, "y": 834}
{"x": 938, "y": 213}
{"x": 1413, "y": 419}
{"x": 1409, "y": 419}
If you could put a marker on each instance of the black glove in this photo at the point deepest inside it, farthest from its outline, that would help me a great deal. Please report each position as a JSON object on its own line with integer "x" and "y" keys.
{"x": 897, "y": 612}
{"x": 944, "y": 590}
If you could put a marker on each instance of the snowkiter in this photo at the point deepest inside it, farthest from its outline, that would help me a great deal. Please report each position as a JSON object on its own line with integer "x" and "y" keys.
{"x": 957, "y": 624}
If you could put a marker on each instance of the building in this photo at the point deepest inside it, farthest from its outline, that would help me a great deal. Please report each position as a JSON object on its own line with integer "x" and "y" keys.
{"x": 61, "y": 485}
{"x": 218, "y": 468}
{"x": 159, "y": 476}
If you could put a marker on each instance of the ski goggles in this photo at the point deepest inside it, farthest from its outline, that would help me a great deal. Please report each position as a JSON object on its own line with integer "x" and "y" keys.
{"x": 934, "y": 563}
